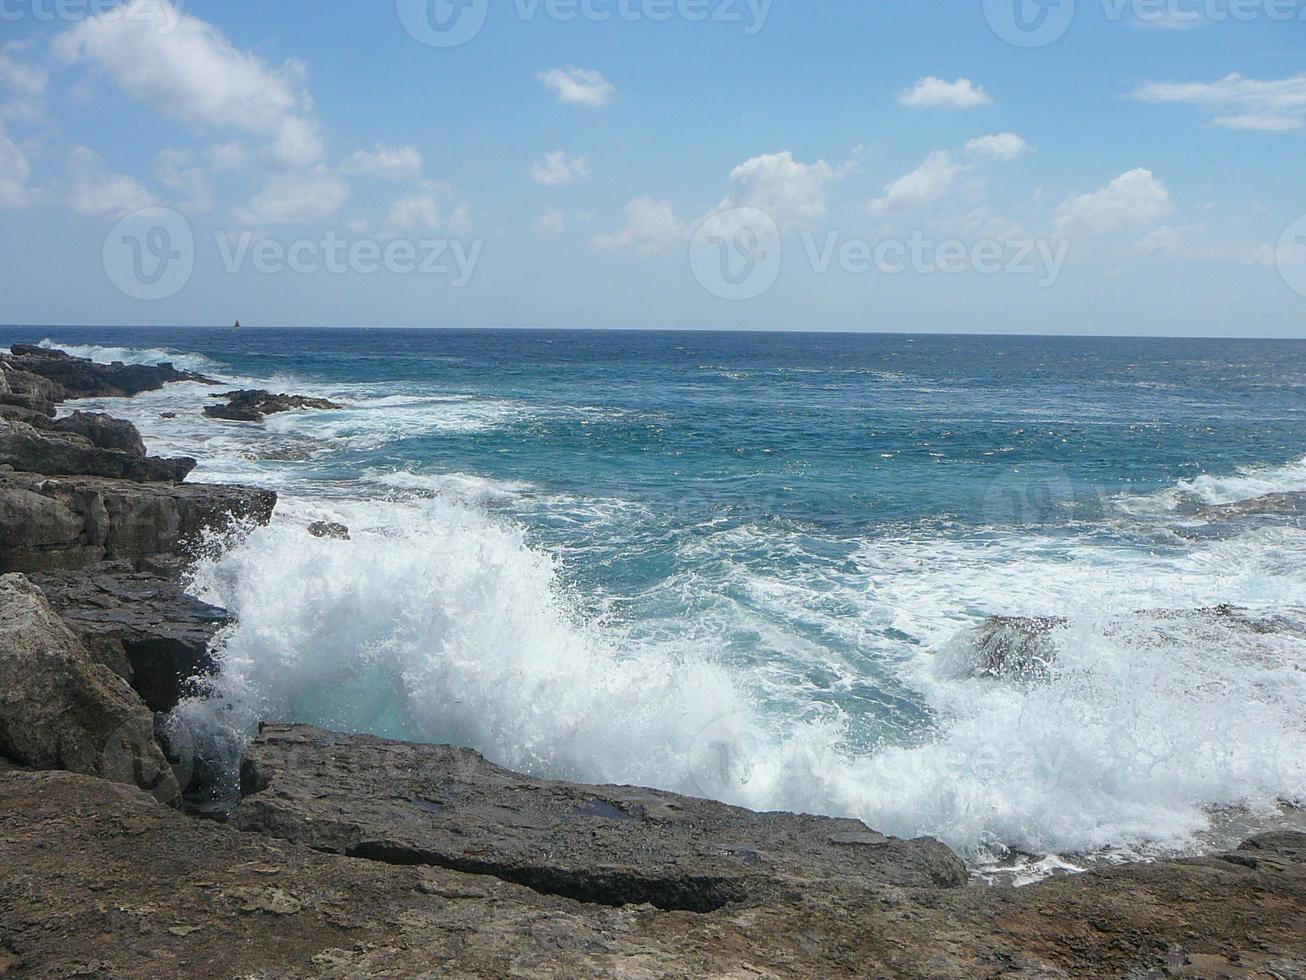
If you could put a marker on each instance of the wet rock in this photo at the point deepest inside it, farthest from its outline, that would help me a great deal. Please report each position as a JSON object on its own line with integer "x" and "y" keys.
{"x": 329, "y": 529}
{"x": 1005, "y": 648}
{"x": 58, "y": 453}
{"x": 141, "y": 624}
{"x": 23, "y": 389}
{"x": 103, "y": 431}
{"x": 66, "y": 523}
{"x": 430, "y": 805}
{"x": 78, "y": 377}
{"x": 61, "y": 710}
{"x": 256, "y": 405}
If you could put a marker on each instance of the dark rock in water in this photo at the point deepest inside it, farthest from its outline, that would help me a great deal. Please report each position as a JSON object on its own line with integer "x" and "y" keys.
{"x": 327, "y": 529}
{"x": 104, "y": 431}
{"x": 415, "y": 804}
{"x": 56, "y": 524}
{"x": 1007, "y": 648}
{"x": 167, "y": 415}
{"x": 82, "y": 378}
{"x": 61, "y": 453}
{"x": 1291, "y": 505}
{"x": 256, "y": 405}
{"x": 141, "y": 624}
{"x": 61, "y": 710}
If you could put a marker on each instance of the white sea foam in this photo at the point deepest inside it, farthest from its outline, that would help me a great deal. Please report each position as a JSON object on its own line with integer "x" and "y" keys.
{"x": 135, "y": 355}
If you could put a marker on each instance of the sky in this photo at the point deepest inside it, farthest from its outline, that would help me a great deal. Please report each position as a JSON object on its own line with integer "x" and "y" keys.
{"x": 1000, "y": 166}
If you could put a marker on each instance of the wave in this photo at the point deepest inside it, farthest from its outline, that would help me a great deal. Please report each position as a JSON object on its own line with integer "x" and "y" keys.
{"x": 183, "y": 360}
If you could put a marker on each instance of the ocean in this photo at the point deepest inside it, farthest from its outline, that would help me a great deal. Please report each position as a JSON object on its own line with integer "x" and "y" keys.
{"x": 752, "y": 566}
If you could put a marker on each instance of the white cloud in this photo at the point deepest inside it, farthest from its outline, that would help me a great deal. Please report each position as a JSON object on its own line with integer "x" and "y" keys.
{"x": 24, "y": 79}
{"x": 924, "y": 185}
{"x": 932, "y": 93}
{"x": 792, "y": 193}
{"x": 95, "y": 192}
{"x": 435, "y": 207}
{"x": 295, "y": 198}
{"x": 228, "y": 156}
{"x": 186, "y": 68}
{"x": 176, "y": 170}
{"x": 390, "y": 162}
{"x": 579, "y": 86}
{"x": 652, "y": 228}
{"x": 1238, "y": 102}
{"x": 14, "y": 174}
{"x": 1134, "y": 201}
{"x": 1001, "y": 146}
{"x": 558, "y": 169}
{"x": 551, "y": 226}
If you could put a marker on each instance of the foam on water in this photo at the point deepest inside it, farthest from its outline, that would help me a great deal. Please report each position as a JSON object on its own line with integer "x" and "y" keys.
{"x": 135, "y": 355}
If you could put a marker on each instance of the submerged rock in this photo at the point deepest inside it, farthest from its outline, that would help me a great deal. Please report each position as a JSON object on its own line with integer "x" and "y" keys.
{"x": 329, "y": 529}
{"x": 414, "y": 804}
{"x": 1005, "y": 648}
{"x": 255, "y": 405}
{"x": 61, "y": 710}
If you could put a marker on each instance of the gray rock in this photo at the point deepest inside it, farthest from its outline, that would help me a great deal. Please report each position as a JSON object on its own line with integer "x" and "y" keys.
{"x": 57, "y": 453}
{"x": 61, "y": 710}
{"x": 327, "y": 529}
{"x": 431, "y": 805}
{"x": 256, "y": 405}
{"x": 27, "y": 390}
{"x": 1006, "y": 648}
{"x": 141, "y": 624}
{"x": 77, "y": 377}
{"x": 61, "y": 524}
{"x": 104, "y": 431}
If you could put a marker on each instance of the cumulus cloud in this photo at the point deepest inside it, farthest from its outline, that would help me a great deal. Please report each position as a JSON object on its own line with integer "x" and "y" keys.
{"x": 20, "y": 77}
{"x": 790, "y": 192}
{"x": 1001, "y": 146}
{"x": 578, "y": 86}
{"x": 94, "y": 191}
{"x": 187, "y": 69}
{"x": 434, "y": 207}
{"x": 390, "y": 162}
{"x": 177, "y": 171}
{"x": 557, "y": 169}
{"x": 295, "y": 198}
{"x": 1238, "y": 102}
{"x": 1134, "y": 201}
{"x": 551, "y": 226}
{"x": 926, "y": 184}
{"x": 933, "y": 93}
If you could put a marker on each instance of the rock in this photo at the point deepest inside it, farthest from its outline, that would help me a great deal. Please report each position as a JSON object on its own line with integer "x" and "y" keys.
{"x": 141, "y": 624}
{"x": 56, "y": 453}
{"x": 82, "y": 378}
{"x": 167, "y": 415}
{"x": 327, "y": 529}
{"x": 136, "y": 889}
{"x": 61, "y": 710}
{"x": 30, "y": 416}
{"x": 256, "y": 405}
{"x": 1006, "y": 648}
{"x": 24, "y": 389}
{"x": 430, "y": 805}
{"x": 104, "y": 431}
{"x": 62, "y": 524}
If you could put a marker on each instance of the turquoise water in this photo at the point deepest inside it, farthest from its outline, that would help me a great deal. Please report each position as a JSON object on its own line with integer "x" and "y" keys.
{"x": 747, "y": 565}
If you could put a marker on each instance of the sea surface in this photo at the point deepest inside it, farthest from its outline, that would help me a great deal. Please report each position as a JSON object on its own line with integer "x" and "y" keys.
{"x": 751, "y": 566}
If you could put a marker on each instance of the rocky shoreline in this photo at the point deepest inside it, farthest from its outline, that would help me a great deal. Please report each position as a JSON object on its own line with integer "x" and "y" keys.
{"x": 352, "y": 856}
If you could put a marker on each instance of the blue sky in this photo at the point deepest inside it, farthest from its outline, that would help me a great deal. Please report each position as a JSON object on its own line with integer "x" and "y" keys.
{"x": 657, "y": 164}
